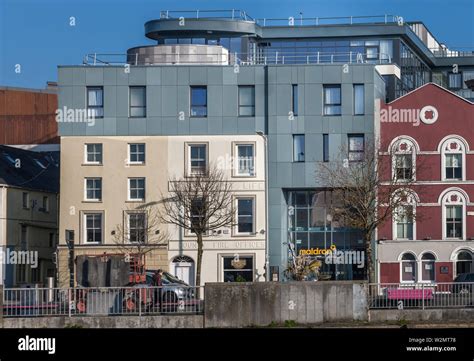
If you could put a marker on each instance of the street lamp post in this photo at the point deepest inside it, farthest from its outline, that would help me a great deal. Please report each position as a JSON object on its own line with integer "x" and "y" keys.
{"x": 267, "y": 261}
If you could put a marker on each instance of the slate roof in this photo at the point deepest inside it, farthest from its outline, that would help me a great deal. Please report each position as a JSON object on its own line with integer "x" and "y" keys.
{"x": 28, "y": 169}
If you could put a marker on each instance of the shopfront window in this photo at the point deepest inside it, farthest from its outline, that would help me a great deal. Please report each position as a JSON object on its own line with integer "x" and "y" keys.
{"x": 238, "y": 268}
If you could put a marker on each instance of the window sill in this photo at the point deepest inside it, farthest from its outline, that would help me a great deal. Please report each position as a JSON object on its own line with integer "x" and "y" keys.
{"x": 135, "y": 200}
{"x": 244, "y": 176}
{"x": 135, "y": 163}
{"x": 92, "y": 164}
{"x": 246, "y": 116}
{"x": 91, "y": 201}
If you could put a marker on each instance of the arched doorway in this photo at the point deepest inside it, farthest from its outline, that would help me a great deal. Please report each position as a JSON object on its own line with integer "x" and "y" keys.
{"x": 183, "y": 268}
{"x": 464, "y": 262}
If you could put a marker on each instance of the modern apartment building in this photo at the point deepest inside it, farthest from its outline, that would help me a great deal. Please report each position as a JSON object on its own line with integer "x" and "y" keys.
{"x": 299, "y": 90}
{"x": 426, "y": 140}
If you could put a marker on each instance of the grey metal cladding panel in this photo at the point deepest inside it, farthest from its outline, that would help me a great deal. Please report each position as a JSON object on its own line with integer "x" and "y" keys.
{"x": 275, "y": 196}
{"x": 347, "y": 99}
{"x": 346, "y": 75}
{"x": 79, "y": 76}
{"x": 246, "y": 125}
{"x": 283, "y": 74}
{"x": 110, "y": 76}
{"x": 198, "y": 75}
{"x": 122, "y": 126}
{"x": 65, "y": 129}
{"x": 272, "y": 148}
{"x": 183, "y": 75}
{"x": 310, "y": 174}
{"x": 260, "y": 124}
{"x": 198, "y": 126}
{"x": 229, "y": 125}
{"x": 65, "y": 96}
{"x": 169, "y": 75}
{"x": 297, "y": 174}
{"x": 358, "y": 76}
{"x": 137, "y": 76}
{"x": 78, "y": 98}
{"x": 169, "y": 95}
{"x": 369, "y": 74}
{"x": 294, "y": 74}
{"x": 65, "y": 76}
{"x": 272, "y": 174}
{"x": 347, "y": 123}
{"x": 184, "y": 124}
{"x": 313, "y": 124}
{"x": 153, "y": 125}
{"x": 298, "y": 125}
{"x": 153, "y": 100}
{"x": 214, "y": 125}
{"x": 110, "y": 126}
{"x": 229, "y": 76}
{"x": 284, "y": 148}
{"x": 137, "y": 126}
{"x": 96, "y": 129}
{"x": 359, "y": 125}
{"x": 182, "y": 101}
{"x": 369, "y": 96}
{"x": 272, "y": 75}
{"x": 274, "y": 214}
{"x": 301, "y": 74}
{"x": 169, "y": 125}
{"x": 214, "y": 104}
{"x": 110, "y": 101}
{"x": 260, "y": 100}
{"x": 80, "y": 128}
{"x": 246, "y": 75}
{"x": 122, "y": 75}
{"x": 337, "y": 144}
{"x": 283, "y": 99}
{"x": 94, "y": 76}
{"x": 229, "y": 100}
{"x": 284, "y": 177}
{"x": 284, "y": 125}
{"x": 313, "y": 147}
{"x": 214, "y": 75}
{"x": 153, "y": 75}
{"x": 332, "y": 75}
{"x": 259, "y": 75}
{"x": 122, "y": 101}
{"x": 272, "y": 99}
{"x": 313, "y": 74}
{"x": 313, "y": 99}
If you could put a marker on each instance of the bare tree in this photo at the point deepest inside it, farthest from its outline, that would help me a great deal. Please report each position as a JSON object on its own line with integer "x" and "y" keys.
{"x": 139, "y": 233}
{"x": 199, "y": 204}
{"x": 367, "y": 192}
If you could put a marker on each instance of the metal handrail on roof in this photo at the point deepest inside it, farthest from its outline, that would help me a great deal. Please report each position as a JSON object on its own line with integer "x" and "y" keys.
{"x": 234, "y": 14}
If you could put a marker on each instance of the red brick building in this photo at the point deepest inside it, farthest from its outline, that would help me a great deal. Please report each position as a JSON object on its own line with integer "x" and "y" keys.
{"x": 428, "y": 136}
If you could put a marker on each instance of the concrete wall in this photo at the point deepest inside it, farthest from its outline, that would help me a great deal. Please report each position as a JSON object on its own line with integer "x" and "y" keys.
{"x": 260, "y": 304}
{"x": 428, "y": 315}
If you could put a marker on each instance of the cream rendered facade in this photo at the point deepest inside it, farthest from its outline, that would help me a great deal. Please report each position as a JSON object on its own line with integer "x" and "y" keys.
{"x": 165, "y": 157}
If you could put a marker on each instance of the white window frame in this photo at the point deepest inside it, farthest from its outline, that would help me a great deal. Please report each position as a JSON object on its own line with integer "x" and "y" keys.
{"x": 129, "y": 190}
{"x": 403, "y": 146}
{"x": 86, "y": 161}
{"x": 84, "y": 226}
{"x": 233, "y": 255}
{"x": 45, "y": 204}
{"x": 237, "y": 159}
{"x": 27, "y": 200}
{"x": 401, "y": 262}
{"x": 254, "y": 215}
{"x": 101, "y": 189}
{"x": 420, "y": 270}
{"x": 448, "y": 200}
{"x": 189, "y": 171}
{"x": 395, "y": 224}
{"x": 445, "y": 150}
{"x": 128, "y": 214}
{"x": 129, "y": 153}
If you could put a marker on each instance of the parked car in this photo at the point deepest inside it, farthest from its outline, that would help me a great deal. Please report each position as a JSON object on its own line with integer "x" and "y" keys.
{"x": 461, "y": 283}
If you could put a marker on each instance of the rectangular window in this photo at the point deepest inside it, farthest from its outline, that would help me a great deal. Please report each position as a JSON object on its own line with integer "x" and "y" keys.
{"x": 197, "y": 216}
{"x": 325, "y": 147}
{"x": 137, "y": 227}
{"x": 372, "y": 52}
{"x": 454, "y": 220}
{"x": 356, "y": 147}
{"x": 246, "y": 101}
{"x": 245, "y": 215}
{"x": 359, "y": 99}
{"x": 197, "y": 158}
{"x": 137, "y": 102}
{"x": 94, "y": 153}
{"x": 294, "y": 99}
{"x": 136, "y": 153}
{"x": 25, "y": 200}
{"x": 24, "y": 238}
{"x": 136, "y": 187}
{"x": 93, "y": 189}
{"x": 245, "y": 160}
{"x": 198, "y": 101}
{"x": 332, "y": 99}
{"x": 95, "y": 102}
{"x": 455, "y": 80}
{"x": 45, "y": 205}
{"x": 404, "y": 166}
{"x": 238, "y": 270}
{"x": 405, "y": 223}
{"x": 298, "y": 148}
{"x": 453, "y": 166}
{"x": 93, "y": 227}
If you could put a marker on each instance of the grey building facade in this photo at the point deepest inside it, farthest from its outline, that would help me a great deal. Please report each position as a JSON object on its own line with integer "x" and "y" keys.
{"x": 310, "y": 90}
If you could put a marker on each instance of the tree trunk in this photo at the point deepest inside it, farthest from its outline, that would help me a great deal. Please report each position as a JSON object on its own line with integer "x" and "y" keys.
{"x": 370, "y": 263}
{"x": 198, "y": 263}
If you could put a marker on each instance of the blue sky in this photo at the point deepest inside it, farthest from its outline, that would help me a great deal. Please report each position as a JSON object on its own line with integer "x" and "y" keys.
{"x": 36, "y": 33}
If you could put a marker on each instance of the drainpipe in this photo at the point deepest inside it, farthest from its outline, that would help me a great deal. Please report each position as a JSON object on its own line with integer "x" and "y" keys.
{"x": 267, "y": 260}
